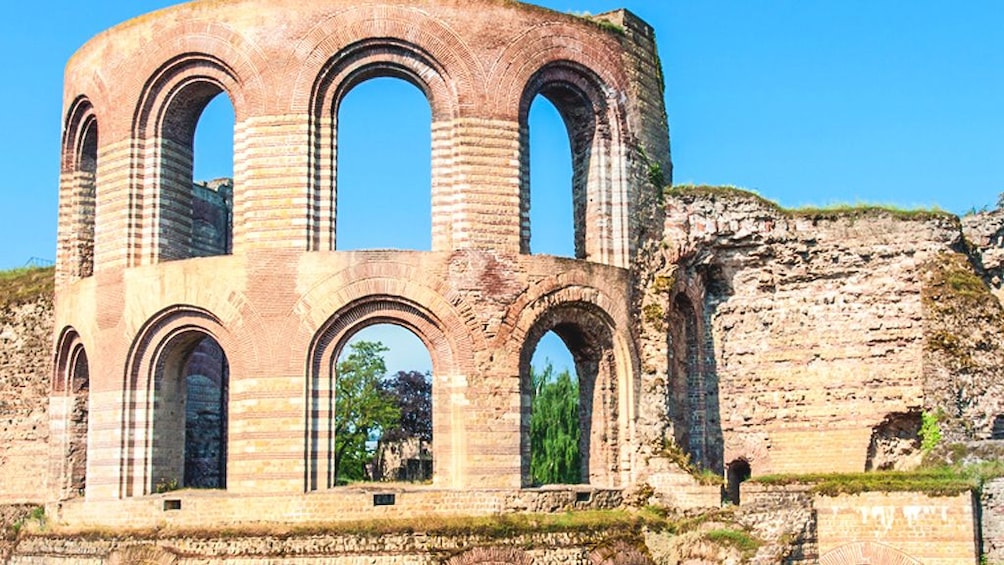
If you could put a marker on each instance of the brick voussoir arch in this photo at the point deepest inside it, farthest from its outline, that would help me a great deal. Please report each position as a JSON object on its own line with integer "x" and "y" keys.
{"x": 158, "y": 333}
{"x": 80, "y": 116}
{"x": 412, "y": 29}
{"x": 583, "y": 314}
{"x": 543, "y": 45}
{"x": 326, "y": 346}
{"x": 69, "y": 345}
{"x": 870, "y": 552}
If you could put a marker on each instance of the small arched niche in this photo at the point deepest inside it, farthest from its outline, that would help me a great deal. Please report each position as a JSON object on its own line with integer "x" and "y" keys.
{"x": 737, "y": 472}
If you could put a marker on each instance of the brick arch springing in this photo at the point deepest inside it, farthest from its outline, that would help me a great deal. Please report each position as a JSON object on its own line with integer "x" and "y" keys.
{"x": 172, "y": 101}
{"x": 323, "y": 356}
{"x": 589, "y": 334}
{"x": 150, "y": 448}
{"x": 78, "y": 191}
{"x": 70, "y": 409}
{"x": 870, "y": 552}
{"x": 357, "y": 63}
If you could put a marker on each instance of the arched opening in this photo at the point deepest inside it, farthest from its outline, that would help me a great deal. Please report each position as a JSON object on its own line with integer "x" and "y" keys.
{"x": 213, "y": 179}
{"x": 383, "y": 167}
{"x": 688, "y": 392}
{"x": 76, "y": 456}
{"x": 555, "y": 418}
{"x": 585, "y": 333}
{"x": 598, "y": 190}
{"x": 552, "y": 223}
{"x": 737, "y": 472}
{"x": 383, "y": 407}
{"x": 997, "y": 431}
{"x": 78, "y": 191}
{"x": 196, "y": 218}
{"x": 70, "y": 409}
{"x": 191, "y": 392}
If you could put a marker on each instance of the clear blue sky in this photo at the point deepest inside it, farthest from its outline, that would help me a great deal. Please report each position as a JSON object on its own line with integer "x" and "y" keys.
{"x": 805, "y": 102}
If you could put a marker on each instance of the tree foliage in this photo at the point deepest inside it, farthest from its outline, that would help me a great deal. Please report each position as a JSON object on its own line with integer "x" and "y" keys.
{"x": 554, "y": 427}
{"x": 412, "y": 393}
{"x": 363, "y": 408}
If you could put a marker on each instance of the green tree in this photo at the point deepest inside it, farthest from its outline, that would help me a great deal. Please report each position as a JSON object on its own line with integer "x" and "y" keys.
{"x": 363, "y": 408}
{"x": 554, "y": 427}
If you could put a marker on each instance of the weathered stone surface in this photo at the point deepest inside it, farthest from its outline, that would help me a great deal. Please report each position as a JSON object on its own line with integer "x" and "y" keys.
{"x": 25, "y": 372}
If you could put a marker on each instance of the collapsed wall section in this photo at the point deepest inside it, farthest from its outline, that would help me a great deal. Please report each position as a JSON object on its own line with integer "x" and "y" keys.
{"x": 814, "y": 327}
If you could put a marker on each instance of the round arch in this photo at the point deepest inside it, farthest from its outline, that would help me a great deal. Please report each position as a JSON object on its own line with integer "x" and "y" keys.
{"x": 151, "y": 450}
{"x": 71, "y": 391}
{"x": 168, "y": 112}
{"x": 325, "y": 348}
{"x": 866, "y": 552}
{"x": 578, "y": 95}
{"x": 78, "y": 190}
{"x": 354, "y": 64}
{"x": 588, "y": 334}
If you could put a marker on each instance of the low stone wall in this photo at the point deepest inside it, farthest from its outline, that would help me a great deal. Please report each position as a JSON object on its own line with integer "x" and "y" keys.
{"x": 194, "y": 509}
{"x": 397, "y": 549}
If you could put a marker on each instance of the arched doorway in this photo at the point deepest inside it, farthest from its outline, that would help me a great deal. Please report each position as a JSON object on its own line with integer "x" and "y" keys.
{"x": 191, "y": 391}
{"x": 586, "y": 332}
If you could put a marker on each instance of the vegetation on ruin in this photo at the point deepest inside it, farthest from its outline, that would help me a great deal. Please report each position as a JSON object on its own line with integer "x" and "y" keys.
{"x": 738, "y": 539}
{"x": 602, "y": 24}
{"x": 935, "y": 480}
{"x": 930, "y": 431}
{"x": 681, "y": 458}
{"x": 25, "y": 284}
{"x": 554, "y": 427}
{"x": 831, "y": 211}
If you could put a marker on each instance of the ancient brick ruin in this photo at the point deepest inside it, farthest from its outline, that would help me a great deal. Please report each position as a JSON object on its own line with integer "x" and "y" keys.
{"x": 197, "y": 330}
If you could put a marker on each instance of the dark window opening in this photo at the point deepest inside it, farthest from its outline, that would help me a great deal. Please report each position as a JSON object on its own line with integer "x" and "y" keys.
{"x": 998, "y": 429}
{"x": 738, "y": 472}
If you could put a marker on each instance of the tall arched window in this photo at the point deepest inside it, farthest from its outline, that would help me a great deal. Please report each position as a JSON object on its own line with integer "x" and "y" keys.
{"x": 384, "y": 198}
{"x": 78, "y": 191}
{"x": 195, "y": 220}
{"x": 551, "y": 221}
{"x": 387, "y": 367}
{"x": 212, "y": 179}
{"x": 555, "y": 415}
{"x": 585, "y": 333}
{"x": 597, "y": 195}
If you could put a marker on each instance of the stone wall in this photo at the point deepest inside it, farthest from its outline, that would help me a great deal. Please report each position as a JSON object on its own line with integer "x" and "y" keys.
{"x": 992, "y": 520}
{"x": 811, "y": 321}
{"x": 26, "y": 327}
